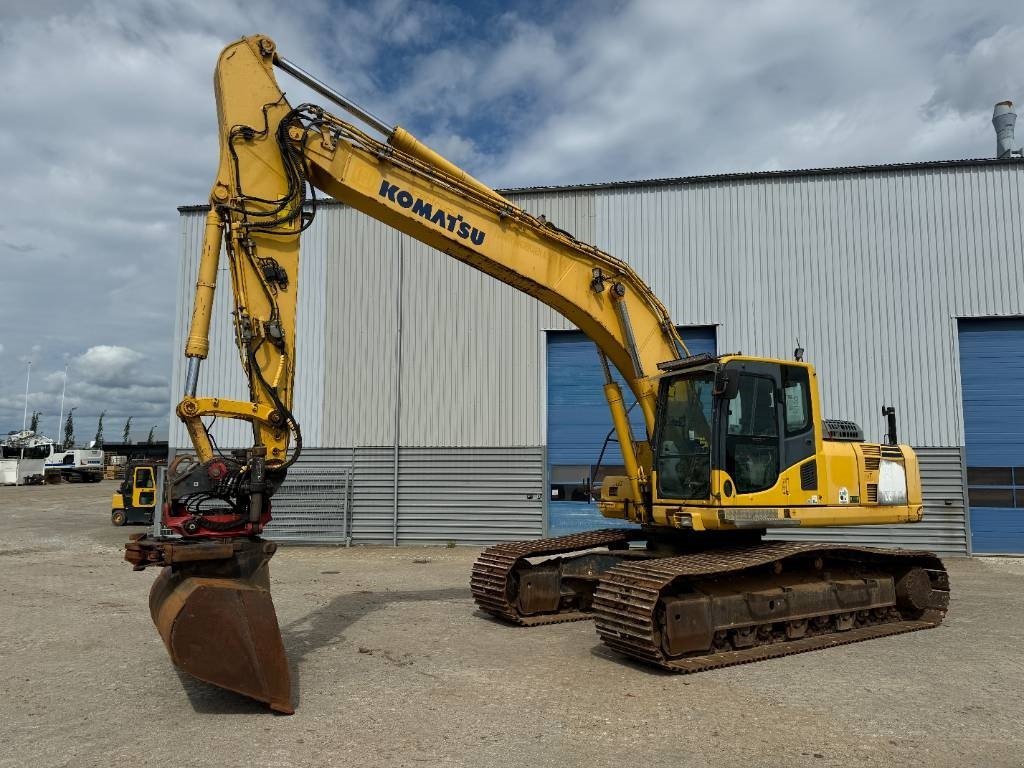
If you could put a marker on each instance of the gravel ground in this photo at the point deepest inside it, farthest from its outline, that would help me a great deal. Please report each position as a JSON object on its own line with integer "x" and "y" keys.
{"x": 394, "y": 667}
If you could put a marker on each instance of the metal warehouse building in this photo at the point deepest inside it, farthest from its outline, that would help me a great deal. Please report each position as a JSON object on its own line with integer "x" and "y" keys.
{"x": 439, "y": 405}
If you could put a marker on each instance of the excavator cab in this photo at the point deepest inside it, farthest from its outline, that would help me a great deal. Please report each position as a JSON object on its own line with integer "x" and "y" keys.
{"x": 730, "y": 429}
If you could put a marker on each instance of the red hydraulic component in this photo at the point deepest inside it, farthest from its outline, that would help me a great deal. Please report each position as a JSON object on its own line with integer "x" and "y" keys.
{"x": 214, "y": 524}
{"x": 217, "y": 470}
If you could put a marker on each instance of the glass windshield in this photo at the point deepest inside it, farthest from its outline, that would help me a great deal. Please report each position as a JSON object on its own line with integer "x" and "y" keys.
{"x": 684, "y": 447}
{"x": 752, "y": 438}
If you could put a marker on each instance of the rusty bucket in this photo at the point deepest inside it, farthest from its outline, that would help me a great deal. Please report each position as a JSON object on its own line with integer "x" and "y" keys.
{"x": 217, "y": 619}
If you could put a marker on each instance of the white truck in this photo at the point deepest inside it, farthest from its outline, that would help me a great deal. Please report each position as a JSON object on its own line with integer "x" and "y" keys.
{"x": 22, "y": 458}
{"x": 78, "y": 464}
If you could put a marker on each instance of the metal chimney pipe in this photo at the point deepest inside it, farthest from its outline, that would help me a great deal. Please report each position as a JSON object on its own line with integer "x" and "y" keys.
{"x": 1003, "y": 119}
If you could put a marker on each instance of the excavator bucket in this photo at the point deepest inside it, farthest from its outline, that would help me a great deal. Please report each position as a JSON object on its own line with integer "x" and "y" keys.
{"x": 217, "y": 619}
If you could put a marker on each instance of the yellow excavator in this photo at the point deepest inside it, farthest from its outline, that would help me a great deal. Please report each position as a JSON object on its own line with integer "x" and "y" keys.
{"x": 734, "y": 445}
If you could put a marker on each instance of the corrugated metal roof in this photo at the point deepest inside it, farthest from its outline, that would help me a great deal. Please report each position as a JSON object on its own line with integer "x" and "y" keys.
{"x": 712, "y": 178}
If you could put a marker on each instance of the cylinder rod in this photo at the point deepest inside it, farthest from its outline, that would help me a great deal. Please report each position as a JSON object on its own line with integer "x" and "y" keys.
{"x": 325, "y": 90}
{"x": 191, "y": 376}
{"x": 197, "y": 344}
{"x": 627, "y": 330}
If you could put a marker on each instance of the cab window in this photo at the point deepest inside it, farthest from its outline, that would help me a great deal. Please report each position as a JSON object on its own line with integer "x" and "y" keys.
{"x": 796, "y": 399}
{"x": 684, "y": 444}
{"x": 143, "y": 477}
{"x": 752, "y": 435}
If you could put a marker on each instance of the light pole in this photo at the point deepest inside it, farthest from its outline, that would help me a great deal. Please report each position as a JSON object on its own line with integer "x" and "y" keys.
{"x": 28, "y": 375}
{"x": 60, "y": 419}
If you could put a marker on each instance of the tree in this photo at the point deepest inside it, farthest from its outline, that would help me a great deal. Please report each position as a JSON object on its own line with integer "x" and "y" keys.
{"x": 69, "y": 431}
{"x": 99, "y": 430}
{"x": 127, "y": 431}
{"x": 149, "y": 438}
{"x": 34, "y": 425}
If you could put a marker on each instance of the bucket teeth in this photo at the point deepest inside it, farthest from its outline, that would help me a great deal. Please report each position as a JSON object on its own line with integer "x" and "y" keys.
{"x": 221, "y": 627}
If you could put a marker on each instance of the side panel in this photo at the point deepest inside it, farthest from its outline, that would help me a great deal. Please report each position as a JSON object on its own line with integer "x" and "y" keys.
{"x": 943, "y": 529}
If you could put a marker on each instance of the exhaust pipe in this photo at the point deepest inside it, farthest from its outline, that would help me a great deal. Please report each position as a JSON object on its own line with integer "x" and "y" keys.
{"x": 1003, "y": 120}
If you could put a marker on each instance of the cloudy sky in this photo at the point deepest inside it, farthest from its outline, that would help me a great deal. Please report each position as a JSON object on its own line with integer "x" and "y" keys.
{"x": 109, "y": 125}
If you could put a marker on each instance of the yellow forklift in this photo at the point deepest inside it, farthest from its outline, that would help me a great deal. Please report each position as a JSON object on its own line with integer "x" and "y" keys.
{"x": 135, "y": 499}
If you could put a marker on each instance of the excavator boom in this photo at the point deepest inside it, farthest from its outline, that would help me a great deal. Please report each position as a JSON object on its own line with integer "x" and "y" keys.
{"x": 212, "y": 603}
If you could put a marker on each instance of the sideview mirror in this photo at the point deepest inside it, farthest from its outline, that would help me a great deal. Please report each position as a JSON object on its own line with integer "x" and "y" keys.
{"x": 727, "y": 384}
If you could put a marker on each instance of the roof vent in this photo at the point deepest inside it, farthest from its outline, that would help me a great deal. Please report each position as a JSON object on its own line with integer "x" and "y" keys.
{"x": 1003, "y": 119}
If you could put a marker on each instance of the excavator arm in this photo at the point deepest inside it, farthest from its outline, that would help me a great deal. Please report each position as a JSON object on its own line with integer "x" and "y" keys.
{"x": 745, "y": 463}
{"x": 270, "y": 154}
{"x": 273, "y": 158}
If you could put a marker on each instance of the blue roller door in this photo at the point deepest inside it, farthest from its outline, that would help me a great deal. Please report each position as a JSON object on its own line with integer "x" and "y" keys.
{"x": 992, "y": 374}
{"x": 579, "y": 421}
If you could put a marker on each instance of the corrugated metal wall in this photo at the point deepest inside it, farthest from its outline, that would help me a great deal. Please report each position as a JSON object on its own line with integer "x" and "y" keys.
{"x": 869, "y": 270}
{"x": 466, "y": 338}
{"x": 467, "y": 496}
{"x": 470, "y": 496}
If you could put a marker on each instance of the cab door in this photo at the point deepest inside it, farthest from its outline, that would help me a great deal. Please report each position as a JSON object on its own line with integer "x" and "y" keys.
{"x": 143, "y": 487}
{"x": 766, "y": 427}
{"x": 749, "y": 427}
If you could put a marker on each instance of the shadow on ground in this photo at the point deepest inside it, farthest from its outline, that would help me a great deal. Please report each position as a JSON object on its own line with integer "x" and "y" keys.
{"x": 318, "y": 629}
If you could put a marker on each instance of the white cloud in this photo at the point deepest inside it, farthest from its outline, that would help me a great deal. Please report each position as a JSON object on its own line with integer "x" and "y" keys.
{"x": 665, "y": 88}
{"x": 108, "y": 366}
{"x": 986, "y": 72}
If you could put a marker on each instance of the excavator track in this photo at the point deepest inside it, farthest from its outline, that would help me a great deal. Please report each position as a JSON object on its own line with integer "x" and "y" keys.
{"x": 493, "y": 580}
{"x": 632, "y": 598}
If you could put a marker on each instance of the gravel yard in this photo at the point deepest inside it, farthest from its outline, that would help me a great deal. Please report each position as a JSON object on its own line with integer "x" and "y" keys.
{"x": 393, "y": 666}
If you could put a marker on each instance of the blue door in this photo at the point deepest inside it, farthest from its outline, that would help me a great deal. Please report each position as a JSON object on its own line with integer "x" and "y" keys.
{"x": 579, "y": 423}
{"x": 992, "y": 375}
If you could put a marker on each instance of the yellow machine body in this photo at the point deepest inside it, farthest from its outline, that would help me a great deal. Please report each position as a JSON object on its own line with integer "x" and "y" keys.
{"x": 412, "y": 189}
{"x": 836, "y": 483}
{"x": 269, "y": 153}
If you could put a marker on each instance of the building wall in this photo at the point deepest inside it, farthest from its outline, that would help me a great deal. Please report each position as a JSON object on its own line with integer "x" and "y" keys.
{"x": 466, "y": 495}
{"x": 472, "y": 349}
{"x": 868, "y": 270}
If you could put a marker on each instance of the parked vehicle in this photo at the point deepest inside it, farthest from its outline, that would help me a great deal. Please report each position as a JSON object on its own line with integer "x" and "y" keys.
{"x": 135, "y": 500}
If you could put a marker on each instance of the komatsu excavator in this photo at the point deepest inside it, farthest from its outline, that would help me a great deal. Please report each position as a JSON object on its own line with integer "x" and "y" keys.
{"x": 734, "y": 445}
